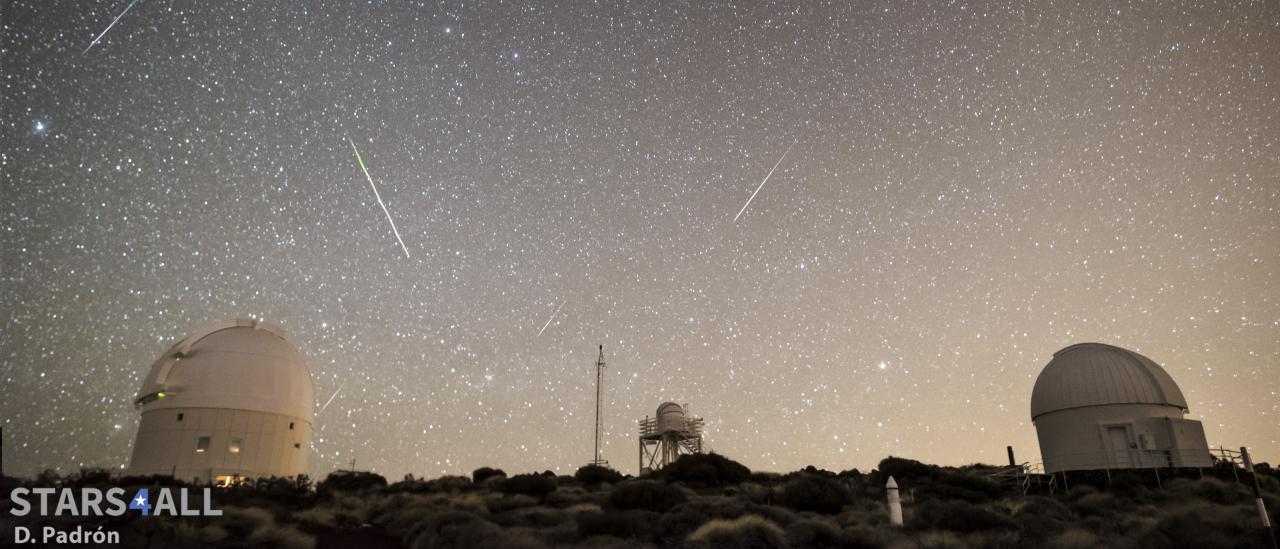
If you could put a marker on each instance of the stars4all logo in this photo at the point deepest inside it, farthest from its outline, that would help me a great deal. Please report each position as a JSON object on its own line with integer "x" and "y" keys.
{"x": 141, "y": 502}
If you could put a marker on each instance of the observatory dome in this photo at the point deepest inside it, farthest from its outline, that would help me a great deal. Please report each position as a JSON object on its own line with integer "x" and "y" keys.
{"x": 1095, "y": 374}
{"x": 229, "y": 402}
{"x": 245, "y": 365}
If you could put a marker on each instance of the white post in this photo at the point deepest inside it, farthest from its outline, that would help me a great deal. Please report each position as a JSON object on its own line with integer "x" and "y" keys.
{"x": 895, "y": 502}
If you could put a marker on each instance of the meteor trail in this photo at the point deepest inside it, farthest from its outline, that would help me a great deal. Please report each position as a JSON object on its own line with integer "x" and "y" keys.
{"x": 553, "y": 316}
{"x": 113, "y": 23}
{"x": 330, "y": 401}
{"x": 375, "y": 193}
{"x": 766, "y": 180}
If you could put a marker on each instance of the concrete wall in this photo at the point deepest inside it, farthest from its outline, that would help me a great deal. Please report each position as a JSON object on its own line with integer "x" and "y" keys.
{"x": 1120, "y": 436}
{"x": 268, "y": 447}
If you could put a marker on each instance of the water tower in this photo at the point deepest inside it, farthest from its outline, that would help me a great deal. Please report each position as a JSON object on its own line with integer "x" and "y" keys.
{"x": 667, "y": 436}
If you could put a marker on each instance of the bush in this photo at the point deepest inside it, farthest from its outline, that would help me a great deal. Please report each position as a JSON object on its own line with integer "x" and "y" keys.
{"x": 965, "y": 486}
{"x": 630, "y": 524}
{"x": 537, "y": 486}
{"x": 749, "y": 532}
{"x": 647, "y": 495}
{"x": 813, "y": 534}
{"x": 706, "y": 469}
{"x": 485, "y": 473}
{"x": 454, "y": 529}
{"x": 260, "y": 529}
{"x": 1209, "y": 489}
{"x": 597, "y": 474}
{"x": 350, "y": 481}
{"x": 1041, "y": 518}
{"x": 1208, "y": 527}
{"x": 957, "y": 516}
{"x": 816, "y": 494}
{"x": 904, "y": 469}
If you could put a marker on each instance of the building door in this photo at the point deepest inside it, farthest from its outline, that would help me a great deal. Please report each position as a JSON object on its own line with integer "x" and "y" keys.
{"x": 1118, "y": 440}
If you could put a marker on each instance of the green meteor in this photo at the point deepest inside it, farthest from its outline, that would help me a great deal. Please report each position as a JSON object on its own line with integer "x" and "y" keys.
{"x": 378, "y": 196}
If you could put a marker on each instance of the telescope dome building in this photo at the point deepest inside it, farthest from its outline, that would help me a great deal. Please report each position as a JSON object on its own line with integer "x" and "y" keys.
{"x": 229, "y": 402}
{"x": 1097, "y": 406}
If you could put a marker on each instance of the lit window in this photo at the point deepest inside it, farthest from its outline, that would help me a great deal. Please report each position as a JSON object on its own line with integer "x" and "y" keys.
{"x": 234, "y": 446}
{"x": 202, "y": 444}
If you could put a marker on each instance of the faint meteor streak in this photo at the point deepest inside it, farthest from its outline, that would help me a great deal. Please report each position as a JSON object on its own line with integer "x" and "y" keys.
{"x": 553, "y": 317}
{"x": 113, "y": 23}
{"x": 330, "y": 401}
{"x": 378, "y": 196}
{"x": 766, "y": 180}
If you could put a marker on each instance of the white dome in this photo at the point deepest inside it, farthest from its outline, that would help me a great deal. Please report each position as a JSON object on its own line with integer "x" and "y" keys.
{"x": 244, "y": 365}
{"x": 670, "y": 417}
{"x": 1094, "y": 374}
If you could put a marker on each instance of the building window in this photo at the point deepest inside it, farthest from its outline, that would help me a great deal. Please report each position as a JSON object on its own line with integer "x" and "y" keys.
{"x": 202, "y": 444}
{"x": 290, "y": 425}
{"x": 179, "y": 416}
{"x": 234, "y": 446}
{"x": 297, "y": 445}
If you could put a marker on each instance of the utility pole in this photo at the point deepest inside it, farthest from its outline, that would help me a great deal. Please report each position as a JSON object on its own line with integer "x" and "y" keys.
{"x": 599, "y": 379}
{"x": 1257, "y": 494}
{"x": 1, "y": 451}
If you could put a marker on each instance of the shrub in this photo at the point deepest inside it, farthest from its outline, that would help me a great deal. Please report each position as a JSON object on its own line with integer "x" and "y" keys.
{"x": 539, "y": 517}
{"x": 502, "y": 503}
{"x": 350, "y": 481}
{"x": 597, "y": 474}
{"x": 537, "y": 486}
{"x": 904, "y": 469}
{"x": 965, "y": 486}
{"x": 706, "y": 469}
{"x": 683, "y": 520}
{"x": 1209, "y": 489}
{"x": 485, "y": 473}
{"x": 1207, "y": 527}
{"x": 647, "y": 495}
{"x": 260, "y": 529}
{"x": 1042, "y": 517}
{"x": 816, "y": 494}
{"x": 1075, "y": 538}
{"x": 957, "y": 516}
{"x": 813, "y": 534}
{"x": 448, "y": 484}
{"x": 630, "y": 524}
{"x": 749, "y": 532}
{"x": 454, "y": 529}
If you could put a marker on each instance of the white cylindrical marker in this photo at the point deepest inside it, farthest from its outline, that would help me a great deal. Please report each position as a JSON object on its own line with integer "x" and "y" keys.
{"x": 895, "y": 502}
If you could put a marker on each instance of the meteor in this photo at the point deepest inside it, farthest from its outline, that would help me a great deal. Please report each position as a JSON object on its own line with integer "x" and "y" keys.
{"x": 378, "y": 196}
{"x": 553, "y": 316}
{"x": 766, "y": 180}
{"x": 104, "y": 32}
{"x": 330, "y": 401}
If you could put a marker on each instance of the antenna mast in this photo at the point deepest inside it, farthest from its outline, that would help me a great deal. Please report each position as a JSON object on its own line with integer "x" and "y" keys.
{"x": 599, "y": 380}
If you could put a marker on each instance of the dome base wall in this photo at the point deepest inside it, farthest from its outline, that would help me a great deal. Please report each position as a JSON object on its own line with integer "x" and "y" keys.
{"x": 214, "y": 444}
{"x": 1120, "y": 436}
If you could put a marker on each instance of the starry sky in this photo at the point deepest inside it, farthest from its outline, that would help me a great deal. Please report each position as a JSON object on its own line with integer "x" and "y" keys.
{"x": 969, "y": 187}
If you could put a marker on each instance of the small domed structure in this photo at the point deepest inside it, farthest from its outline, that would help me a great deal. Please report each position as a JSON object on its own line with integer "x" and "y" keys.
{"x": 229, "y": 402}
{"x": 1096, "y": 406}
{"x": 671, "y": 433}
{"x": 670, "y": 418}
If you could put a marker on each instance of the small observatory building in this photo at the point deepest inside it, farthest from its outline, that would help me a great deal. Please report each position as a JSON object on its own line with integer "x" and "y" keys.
{"x": 671, "y": 433}
{"x": 1098, "y": 407}
{"x": 229, "y": 402}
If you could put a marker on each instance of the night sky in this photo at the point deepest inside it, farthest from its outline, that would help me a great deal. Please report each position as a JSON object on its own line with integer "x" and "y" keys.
{"x": 970, "y": 188}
